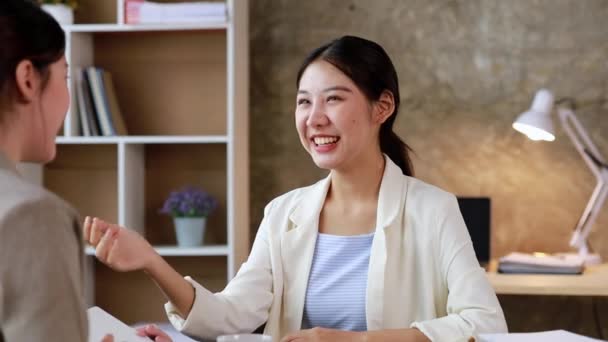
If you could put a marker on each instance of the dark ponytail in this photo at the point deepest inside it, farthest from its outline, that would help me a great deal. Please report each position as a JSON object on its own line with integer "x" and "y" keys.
{"x": 26, "y": 33}
{"x": 370, "y": 68}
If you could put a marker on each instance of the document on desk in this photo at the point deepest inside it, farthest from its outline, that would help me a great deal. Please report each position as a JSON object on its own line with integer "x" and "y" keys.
{"x": 541, "y": 263}
{"x": 102, "y": 323}
{"x": 545, "y": 336}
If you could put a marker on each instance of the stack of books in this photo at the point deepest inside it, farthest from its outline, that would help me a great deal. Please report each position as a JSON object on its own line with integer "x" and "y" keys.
{"x": 98, "y": 111}
{"x": 148, "y": 12}
{"x": 541, "y": 263}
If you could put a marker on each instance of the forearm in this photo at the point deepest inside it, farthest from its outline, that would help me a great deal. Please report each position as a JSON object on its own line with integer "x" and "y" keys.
{"x": 397, "y": 335}
{"x": 176, "y": 289}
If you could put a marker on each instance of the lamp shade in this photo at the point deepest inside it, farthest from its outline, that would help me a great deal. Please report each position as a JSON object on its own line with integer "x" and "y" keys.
{"x": 536, "y": 123}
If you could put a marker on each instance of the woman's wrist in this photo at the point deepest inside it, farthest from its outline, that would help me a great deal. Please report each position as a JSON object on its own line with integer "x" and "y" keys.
{"x": 153, "y": 267}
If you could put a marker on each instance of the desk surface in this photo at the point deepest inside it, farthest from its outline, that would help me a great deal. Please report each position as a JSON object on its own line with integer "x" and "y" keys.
{"x": 593, "y": 282}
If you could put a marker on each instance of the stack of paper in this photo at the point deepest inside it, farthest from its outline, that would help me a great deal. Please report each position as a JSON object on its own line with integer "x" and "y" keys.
{"x": 545, "y": 336}
{"x": 541, "y": 263}
{"x": 147, "y": 12}
{"x": 102, "y": 323}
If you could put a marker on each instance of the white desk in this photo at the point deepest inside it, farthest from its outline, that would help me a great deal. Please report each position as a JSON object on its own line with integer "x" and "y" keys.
{"x": 593, "y": 282}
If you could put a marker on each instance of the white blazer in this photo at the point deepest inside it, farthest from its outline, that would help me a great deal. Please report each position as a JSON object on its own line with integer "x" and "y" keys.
{"x": 422, "y": 270}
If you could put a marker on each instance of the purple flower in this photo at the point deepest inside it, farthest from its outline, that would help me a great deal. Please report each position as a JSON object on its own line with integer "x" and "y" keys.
{"x": 189, "y": 202}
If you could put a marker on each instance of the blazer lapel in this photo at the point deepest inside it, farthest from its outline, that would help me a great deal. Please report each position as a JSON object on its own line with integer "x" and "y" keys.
{"x": 297, "y": 250}
{"x": 390, "y": 204}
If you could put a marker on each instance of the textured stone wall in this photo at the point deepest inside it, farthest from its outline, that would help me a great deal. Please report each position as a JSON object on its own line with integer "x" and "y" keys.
{"x": 467, "y": 68}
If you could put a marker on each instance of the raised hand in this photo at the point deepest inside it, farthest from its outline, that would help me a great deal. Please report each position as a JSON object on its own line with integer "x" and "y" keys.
{"x": 120, "y": 248}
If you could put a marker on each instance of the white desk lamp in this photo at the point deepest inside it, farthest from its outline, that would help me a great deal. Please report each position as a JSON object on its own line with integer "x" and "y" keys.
{"x": 537, "y": 124}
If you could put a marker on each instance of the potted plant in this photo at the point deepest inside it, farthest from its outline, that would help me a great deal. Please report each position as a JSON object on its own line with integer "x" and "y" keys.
{"x": 61, "y": 10}
{"x": 189, "y": 208}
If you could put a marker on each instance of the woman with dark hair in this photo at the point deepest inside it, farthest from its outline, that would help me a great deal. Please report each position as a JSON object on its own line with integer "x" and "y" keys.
{"x": 367, "y": 254}
{"x": 41, "y": 250}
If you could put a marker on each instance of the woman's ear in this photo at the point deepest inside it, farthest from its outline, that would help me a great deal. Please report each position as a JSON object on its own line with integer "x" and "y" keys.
{"x": 384, "y": 108}
{"x": 27, "y": 81}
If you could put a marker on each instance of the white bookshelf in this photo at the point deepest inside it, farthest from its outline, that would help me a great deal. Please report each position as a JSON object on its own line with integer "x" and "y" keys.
{"x": 97, "y": 28}
{"x": 183, "y": 91}
{"x": 217, "y": 250}
{"x": 142, "y": 139}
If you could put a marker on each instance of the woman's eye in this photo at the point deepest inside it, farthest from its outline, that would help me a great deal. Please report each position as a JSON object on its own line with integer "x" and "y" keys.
{"x": 303, "y": 101}
{"x": 333, "y": 98}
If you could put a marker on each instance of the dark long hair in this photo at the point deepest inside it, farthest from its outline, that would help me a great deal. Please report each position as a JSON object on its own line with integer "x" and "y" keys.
{"x": 26, "y": 33}
{"x": 370, "y": 68}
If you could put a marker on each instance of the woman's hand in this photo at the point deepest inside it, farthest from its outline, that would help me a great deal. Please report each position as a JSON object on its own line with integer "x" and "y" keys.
{"x": 120, "y": 248}
{"x": 154, "y": 333}
{"x": 324, "y": 335}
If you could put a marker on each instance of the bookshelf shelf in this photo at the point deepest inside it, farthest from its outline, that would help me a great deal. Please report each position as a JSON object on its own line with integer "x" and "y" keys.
{"x": 217, "y": 250}
{"x": 211, "y": 139}
{"x": 99, "y": 28}
{"x": 182, "y": 91}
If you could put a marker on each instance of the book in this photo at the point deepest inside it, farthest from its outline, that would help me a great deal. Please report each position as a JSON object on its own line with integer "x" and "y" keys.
{"x": 541, "y": 263}
{"x": 102, "y": 323}
{"x": 111, "y": 102}
{"x": 147, "y": 12}
{"x": 75, "y": 126}
{"x": 85, "y": 130}
{"x": 79, "y": 105}
{"x": 89, "y": 109}
{"x": 103, "y": 116}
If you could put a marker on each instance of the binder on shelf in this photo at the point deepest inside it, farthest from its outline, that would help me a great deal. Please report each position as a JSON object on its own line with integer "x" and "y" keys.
{"x": 541, "y": 263}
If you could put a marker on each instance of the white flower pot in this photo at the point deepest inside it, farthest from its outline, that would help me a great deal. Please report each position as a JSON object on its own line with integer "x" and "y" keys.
{"x": 62, "y": 13}
{"x": 189, "y": 230}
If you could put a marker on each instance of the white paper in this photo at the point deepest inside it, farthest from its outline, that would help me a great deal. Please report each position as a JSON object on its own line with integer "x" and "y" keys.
{"x": 544, "y": 260}
{"x": 546, "y": 336}
{"x": 102, "y": 323}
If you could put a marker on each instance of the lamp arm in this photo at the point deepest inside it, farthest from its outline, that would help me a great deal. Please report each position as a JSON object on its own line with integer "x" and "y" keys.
{"x": 596, "y": 160}
{"x": 592, "y": 157}
{"x": 581, "y": 140}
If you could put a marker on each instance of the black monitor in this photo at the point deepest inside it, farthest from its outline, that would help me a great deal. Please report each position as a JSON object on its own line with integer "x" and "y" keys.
{"x": 477, "y": 214}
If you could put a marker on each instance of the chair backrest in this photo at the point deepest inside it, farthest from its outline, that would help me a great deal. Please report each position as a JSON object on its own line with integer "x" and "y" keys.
{"x": 476, "y": 212}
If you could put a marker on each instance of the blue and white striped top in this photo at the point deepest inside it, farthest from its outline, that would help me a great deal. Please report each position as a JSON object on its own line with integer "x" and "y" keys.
{"x": 335, "y": 297}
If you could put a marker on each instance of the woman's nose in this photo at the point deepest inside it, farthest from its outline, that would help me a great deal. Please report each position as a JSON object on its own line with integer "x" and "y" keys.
{"x": 318, "y": 116}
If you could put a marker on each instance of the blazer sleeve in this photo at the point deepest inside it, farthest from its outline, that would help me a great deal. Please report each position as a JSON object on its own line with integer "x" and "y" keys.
{"x": 242, "y": 306}
{"x": 472, "y": 305}
{"x": 42, "y": 287}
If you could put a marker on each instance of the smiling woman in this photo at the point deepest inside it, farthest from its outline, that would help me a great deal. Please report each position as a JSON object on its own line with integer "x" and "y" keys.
{"x": 368, "y": 253}
{"x": 355, "y": 86}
